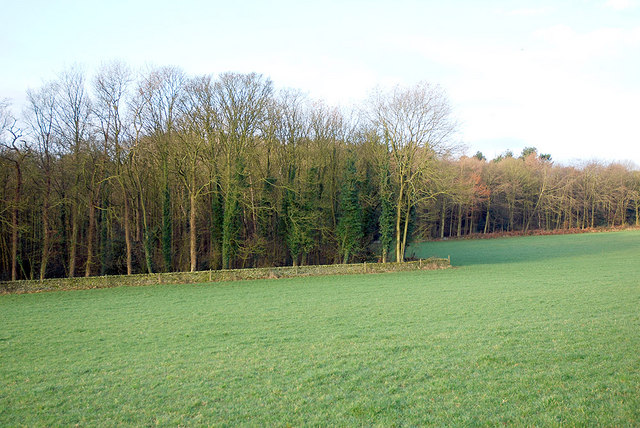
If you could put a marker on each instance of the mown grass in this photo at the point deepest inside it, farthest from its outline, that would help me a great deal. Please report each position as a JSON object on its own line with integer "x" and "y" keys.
{"x": 535, "y": 330}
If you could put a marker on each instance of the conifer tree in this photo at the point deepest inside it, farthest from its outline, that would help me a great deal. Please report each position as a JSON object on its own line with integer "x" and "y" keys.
{"x": 349, "y": 228}
{"x": 386, "y": 211}
{"x": 299, "y": 219}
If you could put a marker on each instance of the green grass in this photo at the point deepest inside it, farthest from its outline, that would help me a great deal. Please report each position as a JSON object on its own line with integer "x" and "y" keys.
{"x": 534, "y": 330}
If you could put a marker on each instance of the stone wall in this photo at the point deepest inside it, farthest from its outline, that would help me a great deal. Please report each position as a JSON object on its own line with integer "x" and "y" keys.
{"x": 82, "y": 283}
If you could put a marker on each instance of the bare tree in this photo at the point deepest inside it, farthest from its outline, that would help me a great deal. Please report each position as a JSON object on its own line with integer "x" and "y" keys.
{"x": 415, "y": 123}
{"x": 242, "y": 101}
{"x": 16, "y": 152}
{"x": 162, "y": 89}
{"x": 195, "y": 126}
{"x": 290, "y": 114}
{"x": 636, "y": 195}
{"x": 73, "y": 109}
{"x": 136, "y": 168}
{"x": 41, "y": 118}
{"x": 110, "y": 88}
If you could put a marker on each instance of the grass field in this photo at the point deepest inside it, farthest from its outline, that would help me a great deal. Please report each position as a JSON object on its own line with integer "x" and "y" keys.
{"x": 534, "y": 330}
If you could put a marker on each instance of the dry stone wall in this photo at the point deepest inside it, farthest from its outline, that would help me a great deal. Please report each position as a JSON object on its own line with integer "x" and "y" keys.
{"x": 83, "y": 283}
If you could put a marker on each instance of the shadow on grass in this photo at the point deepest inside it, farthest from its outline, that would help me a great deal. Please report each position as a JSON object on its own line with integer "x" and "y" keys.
{"x": 527, "y": 248}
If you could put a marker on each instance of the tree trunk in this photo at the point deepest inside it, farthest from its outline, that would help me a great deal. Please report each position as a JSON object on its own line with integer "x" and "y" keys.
{"x": 228, "y": 213}
{"x": 486, "y": 222}
{"x": 14, "y": 244}
{"x": 399, "y": 258}
{"x": 90, "y": 238}
{"x": 138, "y": 225}
{"x": 443, "y": 218}
{"x": 192, "y": 230}
{"x": 45, "y": 229}
{"x": 74, "y": 240}
{"x": 406, "y": 225}
{"x": 147, "y": 249}
{"x": 535, "y": 210}
{"x": 451, "y": 223}
{"x": 14, "y": 224}
{"x": 511, "y": 217}
{"x": 127, "y": 231}
{"x": 146, "y": 238}
{"x": 167, "y": 227}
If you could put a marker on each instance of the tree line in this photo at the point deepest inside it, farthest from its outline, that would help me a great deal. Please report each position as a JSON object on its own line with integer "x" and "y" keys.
{"x": 161, "y": 171}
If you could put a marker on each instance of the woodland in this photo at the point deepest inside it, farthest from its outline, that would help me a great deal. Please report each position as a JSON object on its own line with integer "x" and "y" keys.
{"x": 128, "y": 172}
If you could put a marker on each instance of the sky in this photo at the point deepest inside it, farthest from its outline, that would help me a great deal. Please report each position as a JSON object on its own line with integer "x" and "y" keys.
{"x": 563, "y": 77}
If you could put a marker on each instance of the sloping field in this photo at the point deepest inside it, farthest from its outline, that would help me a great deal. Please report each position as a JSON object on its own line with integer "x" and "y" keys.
{"x": 535, "y": 330}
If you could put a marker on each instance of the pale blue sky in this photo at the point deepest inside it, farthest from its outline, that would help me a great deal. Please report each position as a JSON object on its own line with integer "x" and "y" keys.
{"x": 561, "y": 76}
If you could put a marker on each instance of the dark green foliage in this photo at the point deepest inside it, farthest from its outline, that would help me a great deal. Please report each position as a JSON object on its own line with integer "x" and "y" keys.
{"x": 349, "y": 230}
{"x": 528, "y": 151}
{"x": 369, "y": 196}
{"x": 505, "y": 155}
{"x": 271, "y": 227}
{"x": 387, "y": 214}
{"x": 301, "y": 215}
{"x": 231, "y": 220}
{"x": 298, "y": 219}
{"x": 229, "y": 229}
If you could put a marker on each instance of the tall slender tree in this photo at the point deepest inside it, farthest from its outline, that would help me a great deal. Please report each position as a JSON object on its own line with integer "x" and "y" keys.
{"x": 73, "y": 110}
{"x": 415, "y": 123}
{"x": 16, "y": 152}
{"x": 41, "y": 117}
{"x": 163, "y": 89}
{"x": 242, "y": 101}
{"x": 111, "y": 86}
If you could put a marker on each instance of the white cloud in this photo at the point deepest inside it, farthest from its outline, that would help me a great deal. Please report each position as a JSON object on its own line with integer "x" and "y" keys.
{"x": 552, "y": 95}
{"x": 338, "y": 81}
{"x": 562, "y": 43}
{"x": 529, "y": 12}
{"x": 620, "y": 4}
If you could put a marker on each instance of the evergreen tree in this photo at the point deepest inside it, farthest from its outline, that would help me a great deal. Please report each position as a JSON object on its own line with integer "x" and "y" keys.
{"x": 297, "y": 225}
{"x": 229, "y": 229}
{"x": 231, "y": 216}
{"x": 349, "y": 230}
{"x": 386, "y": 211}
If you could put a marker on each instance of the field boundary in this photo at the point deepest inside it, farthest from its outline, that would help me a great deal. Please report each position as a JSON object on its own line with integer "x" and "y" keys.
{"x": 533, "y": 232}
{"x": 109, "y": 281}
